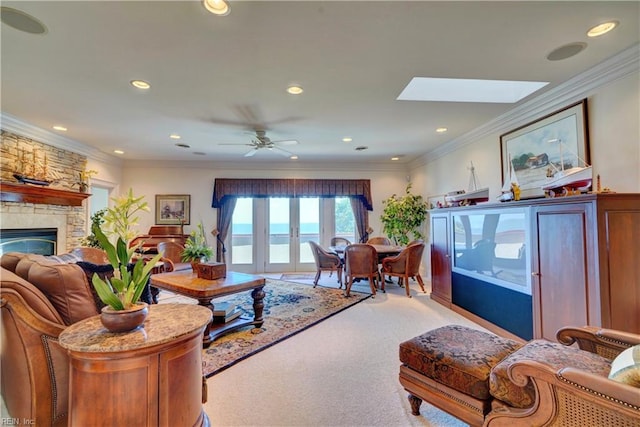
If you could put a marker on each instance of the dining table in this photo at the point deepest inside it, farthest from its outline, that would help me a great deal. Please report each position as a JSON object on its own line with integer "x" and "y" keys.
{"x": 383, "y": 251}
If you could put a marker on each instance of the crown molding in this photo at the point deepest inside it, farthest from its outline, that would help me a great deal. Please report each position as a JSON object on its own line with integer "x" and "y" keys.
{"x": 281, "y": 166}
{"x": 12, "y": 124}
{"x": 579, "y": 87}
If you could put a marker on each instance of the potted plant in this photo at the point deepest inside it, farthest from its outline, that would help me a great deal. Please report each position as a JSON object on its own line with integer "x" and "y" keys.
{"x": 403, "y": 216}
{"x": 122, "y": 292}
{"x": 196, "y": 249}
{"x": 96, "y": 220}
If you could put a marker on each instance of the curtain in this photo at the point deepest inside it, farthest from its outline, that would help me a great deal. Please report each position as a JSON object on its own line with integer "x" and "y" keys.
{"x": 225, "y": 214}
{"x": 230, "y": 187}
{"x": 361, "y": 218}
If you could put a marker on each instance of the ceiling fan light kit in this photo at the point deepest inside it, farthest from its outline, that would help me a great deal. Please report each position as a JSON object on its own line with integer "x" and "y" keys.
{"x": 262, "y": 141}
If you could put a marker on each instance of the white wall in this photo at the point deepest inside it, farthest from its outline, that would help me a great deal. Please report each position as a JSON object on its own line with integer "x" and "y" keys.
{"x": 197, "y": 179}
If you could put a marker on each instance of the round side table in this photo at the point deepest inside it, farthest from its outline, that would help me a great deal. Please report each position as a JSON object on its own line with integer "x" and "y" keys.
{"x": 151, "y": 376}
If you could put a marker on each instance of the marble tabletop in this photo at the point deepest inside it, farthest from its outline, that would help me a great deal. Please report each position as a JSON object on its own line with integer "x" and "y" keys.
{"x": 164, "y": 323}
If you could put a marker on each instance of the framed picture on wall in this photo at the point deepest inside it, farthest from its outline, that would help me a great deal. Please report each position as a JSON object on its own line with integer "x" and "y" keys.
{"x": 173, "y": 209}
{"x": 533, "y": 153}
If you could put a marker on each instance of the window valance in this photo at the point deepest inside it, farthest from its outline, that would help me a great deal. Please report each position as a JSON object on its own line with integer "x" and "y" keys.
{"x": 250, "y": 187}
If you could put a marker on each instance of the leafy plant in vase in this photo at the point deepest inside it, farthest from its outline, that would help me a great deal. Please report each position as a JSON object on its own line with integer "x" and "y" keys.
{"x": 196, "y": 249}
{"x": 403, "y": 216}
{"x": 121, "y": 293}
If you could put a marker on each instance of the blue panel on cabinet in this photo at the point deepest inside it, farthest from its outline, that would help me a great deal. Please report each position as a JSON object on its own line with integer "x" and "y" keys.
{"x": 503, "y": 307}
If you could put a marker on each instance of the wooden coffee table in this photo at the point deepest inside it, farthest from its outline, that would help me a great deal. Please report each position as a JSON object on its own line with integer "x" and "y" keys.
{"x": 188, "y": 284}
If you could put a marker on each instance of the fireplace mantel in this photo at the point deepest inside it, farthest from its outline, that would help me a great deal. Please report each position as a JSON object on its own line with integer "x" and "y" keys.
{"x": 24, "y": 193}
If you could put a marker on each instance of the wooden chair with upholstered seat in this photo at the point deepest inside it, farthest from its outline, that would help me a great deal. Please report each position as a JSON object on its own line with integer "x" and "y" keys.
{"x": 92, "y": 255}
{"x": 361, "y": 262}
{"x": 173, "y": 252}
{"x": 405, "y": 265}
{"x": 379, "y": 240}
{"x": 325, "y": 261}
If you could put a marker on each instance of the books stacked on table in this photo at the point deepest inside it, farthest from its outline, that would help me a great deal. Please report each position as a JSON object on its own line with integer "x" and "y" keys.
{"x": 224, "y": 312}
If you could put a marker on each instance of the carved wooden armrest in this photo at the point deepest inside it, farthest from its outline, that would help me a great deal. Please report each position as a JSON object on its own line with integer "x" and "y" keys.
{"x": 595, "y": 394}
{"x": 607, "y": 343}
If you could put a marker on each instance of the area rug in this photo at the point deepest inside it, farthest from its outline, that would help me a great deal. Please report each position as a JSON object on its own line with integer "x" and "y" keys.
{"x": 289, "y": 308}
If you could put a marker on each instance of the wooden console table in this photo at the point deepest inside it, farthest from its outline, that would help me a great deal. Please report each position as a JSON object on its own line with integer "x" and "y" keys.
{"x": 187, "y": 283}
{"x": 151, "y": 376}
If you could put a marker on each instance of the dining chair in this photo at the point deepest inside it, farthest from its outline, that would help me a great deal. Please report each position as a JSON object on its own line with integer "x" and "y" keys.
{"x": 340, "y": 241}
{"x": 361, "y": 262}
{"x": 379, "y": 240}
{"x": 325, "y": 261}
{"x": 405, "y": 265}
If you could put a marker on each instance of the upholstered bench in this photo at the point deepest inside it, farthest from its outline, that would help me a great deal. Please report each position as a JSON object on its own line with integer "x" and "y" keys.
{"x": 449, "y": 367}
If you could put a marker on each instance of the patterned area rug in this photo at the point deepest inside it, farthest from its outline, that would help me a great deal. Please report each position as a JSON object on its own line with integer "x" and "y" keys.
{"x": 289, "y": 308}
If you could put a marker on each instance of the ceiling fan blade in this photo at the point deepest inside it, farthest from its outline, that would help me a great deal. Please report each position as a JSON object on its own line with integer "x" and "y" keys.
{"x": 251, "y": 153}
{"x": 286, "y": 142}
{"x": 282, "y": 152}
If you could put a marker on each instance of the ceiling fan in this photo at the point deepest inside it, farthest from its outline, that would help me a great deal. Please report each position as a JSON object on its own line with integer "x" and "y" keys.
{"x": 262, "y": 141}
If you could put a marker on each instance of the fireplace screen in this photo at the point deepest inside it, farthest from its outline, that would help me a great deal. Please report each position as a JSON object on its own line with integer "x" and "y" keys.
{"x": 32, "y": 240}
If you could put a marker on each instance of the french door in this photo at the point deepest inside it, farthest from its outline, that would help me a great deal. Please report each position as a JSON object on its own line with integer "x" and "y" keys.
{"x": 271, "y": 235}
{"x": 291, "y": 223}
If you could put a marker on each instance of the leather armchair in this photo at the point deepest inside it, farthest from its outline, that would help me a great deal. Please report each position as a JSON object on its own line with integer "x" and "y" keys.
{"x": 405, "y": 265}
{"x": 361, "y": 262}
{"x": 325, "y": 261}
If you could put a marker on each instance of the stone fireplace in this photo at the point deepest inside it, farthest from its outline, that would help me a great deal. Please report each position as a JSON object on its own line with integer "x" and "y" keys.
{"x": 43, "y": 208}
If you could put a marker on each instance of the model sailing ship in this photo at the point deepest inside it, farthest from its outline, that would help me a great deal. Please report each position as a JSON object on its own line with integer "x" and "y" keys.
{"x": 569, "y": 180}
{"x": 470, "y": 197}
{"x": 510, "y": 184}
{"x": 34, "y": 171}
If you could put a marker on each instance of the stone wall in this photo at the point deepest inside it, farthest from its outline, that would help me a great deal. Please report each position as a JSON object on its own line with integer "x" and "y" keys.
{"x": 66, "y": 167}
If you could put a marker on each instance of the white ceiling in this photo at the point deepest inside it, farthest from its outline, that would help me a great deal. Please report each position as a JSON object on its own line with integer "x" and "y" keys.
{"x": 215, "y": 78}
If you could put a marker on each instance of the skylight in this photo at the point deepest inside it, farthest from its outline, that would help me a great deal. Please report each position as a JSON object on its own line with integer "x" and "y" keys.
{"x": 467, "y": 90}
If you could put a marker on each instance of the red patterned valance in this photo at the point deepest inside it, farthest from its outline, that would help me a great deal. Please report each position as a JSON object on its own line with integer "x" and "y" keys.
{"x": 234, "y": 187}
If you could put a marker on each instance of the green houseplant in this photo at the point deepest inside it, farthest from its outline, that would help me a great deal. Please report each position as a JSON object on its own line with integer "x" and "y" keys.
{"x": 196, "y": 248}
{"x": 403, "y": 216}
{"x": 122, "y": 292}
{"x": 96, "y": 219}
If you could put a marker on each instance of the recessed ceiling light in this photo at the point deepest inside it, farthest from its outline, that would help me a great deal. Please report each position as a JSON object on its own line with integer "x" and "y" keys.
{"x": 395, "y": 158}
{"x": 140, "y": 84}
{"x": 347, "y": 139}
{"x": 295, "y": 90}
{"x": 118, "y": 151}
{"x": 468, "y": 90}
{"x": 217, "y": 7}
{"x": 601, "y": 29}
{"x": 294, "y": 157}
{"x": 21, "y": 21}
{"x": 441, "y": 130}
{"x": 60, "y": 128}
{"x": 174, "y": 136}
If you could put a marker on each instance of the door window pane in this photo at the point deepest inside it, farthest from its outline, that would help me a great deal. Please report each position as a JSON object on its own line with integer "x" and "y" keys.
{"x": 242, "y": 232}
{"x": 309, "y": 227}
{"x": 279, "y": 226}
{"x": 344, "y": 220}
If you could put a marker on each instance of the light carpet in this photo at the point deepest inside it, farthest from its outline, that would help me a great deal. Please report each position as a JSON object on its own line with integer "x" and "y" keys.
{"x": 289, "y": 308}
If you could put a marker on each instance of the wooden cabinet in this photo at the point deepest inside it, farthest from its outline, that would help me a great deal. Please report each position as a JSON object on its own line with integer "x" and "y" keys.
{"x": 584, "y": 263}
{"x": 563, "y": 268}
{"x": 151, "y": 376}
{"x": 440, "y": 259}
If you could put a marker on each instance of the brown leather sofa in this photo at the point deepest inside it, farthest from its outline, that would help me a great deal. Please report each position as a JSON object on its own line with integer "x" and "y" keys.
{"x": 39, "y": 297}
